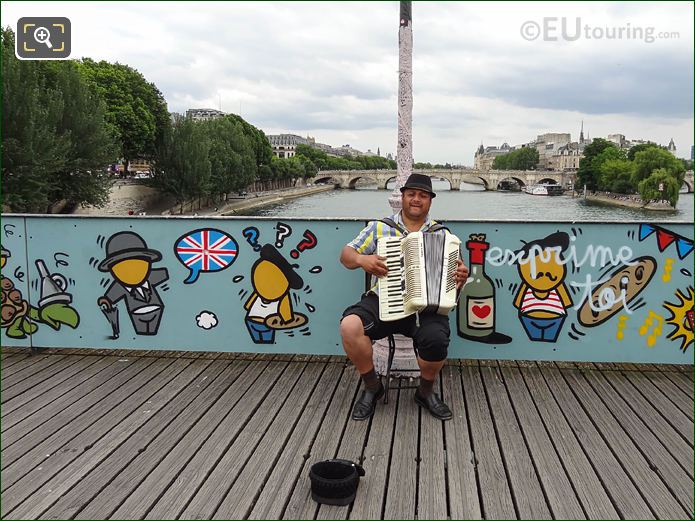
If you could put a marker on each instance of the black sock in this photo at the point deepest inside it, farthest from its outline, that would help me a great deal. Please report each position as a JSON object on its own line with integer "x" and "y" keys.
{"x": 426, "y": 387}
{"x": 371, "y": 380}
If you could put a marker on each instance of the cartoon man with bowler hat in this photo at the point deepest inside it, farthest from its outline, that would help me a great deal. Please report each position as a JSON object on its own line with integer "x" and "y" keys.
{"x": 129, "y": 260}
{"x": 270, "y": 307}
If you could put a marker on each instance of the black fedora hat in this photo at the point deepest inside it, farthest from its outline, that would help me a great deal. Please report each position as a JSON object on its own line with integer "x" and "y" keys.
{"x": 419, "y": 182}
{"x": 127, "y": 245}
{"x": 269, "y": 253}
{"x": 335, "y": 481}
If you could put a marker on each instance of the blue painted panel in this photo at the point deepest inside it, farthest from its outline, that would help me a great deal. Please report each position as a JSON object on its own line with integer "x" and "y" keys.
{"x": 200, "y": 307}
{"x": 16, "y": 327}
{"x": 588, "y": 291}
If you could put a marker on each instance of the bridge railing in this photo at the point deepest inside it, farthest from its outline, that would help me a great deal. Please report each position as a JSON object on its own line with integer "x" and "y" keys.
{"x": 551, "y": 290}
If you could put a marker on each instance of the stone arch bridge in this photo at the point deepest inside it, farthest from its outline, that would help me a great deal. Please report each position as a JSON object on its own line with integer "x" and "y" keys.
{"x": 490, "y": 179}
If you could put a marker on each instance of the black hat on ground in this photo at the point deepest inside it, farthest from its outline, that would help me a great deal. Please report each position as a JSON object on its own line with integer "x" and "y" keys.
{"x": 271, "y": 254}
{"x": 335, "y": 481}
{"x": 419, "y": 182}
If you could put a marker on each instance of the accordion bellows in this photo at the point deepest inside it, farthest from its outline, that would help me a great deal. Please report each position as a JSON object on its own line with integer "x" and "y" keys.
{"x": 421, "y": 276}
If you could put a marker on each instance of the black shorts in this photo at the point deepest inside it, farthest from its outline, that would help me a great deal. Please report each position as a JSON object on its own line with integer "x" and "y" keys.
{"x": 431, "y": 338}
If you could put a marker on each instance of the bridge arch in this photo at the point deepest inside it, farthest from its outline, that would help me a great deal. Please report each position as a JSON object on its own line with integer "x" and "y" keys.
{"x": 511, "y": 179}
{"x": 352, "y": 183}
{"x": 688, "y": 186}
{"x": 325, "y": 179}
{"x": 548, "y": 180}
{"x": 472, "y": 179}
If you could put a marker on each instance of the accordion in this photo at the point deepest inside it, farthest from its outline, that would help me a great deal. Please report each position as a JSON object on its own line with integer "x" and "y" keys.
{"x": 421, "y": 276}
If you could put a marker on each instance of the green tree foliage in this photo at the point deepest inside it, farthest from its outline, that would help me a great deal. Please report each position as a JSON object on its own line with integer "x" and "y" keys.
{"x": 226, "y": 152}
{"x": 56, "y": 143}
{"x": 522, "y": 159}
{"x": 660, "y": 178}
{"x": 589, "y": 172}
{"x": 322, "y": 161}
{"x": 654, "y": 158}
{"x": 639, "y": 148}
{"x": 135, "y": 107}
{"x": 183, "y": 168}
{"x": 616, "y": 175}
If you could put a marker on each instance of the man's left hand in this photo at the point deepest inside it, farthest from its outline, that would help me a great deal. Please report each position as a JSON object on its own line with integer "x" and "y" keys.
{"x": 461, "y": 274}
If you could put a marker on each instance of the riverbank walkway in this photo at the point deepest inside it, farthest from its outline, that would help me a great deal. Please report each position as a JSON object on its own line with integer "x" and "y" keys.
{"x": 96, "y": 434}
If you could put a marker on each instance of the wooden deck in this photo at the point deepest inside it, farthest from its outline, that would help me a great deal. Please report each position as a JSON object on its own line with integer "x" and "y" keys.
{"x": 164, "y": 435}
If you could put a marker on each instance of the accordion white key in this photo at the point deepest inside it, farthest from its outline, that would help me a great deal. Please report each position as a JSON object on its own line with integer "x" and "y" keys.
{"x": 421, "y": 276}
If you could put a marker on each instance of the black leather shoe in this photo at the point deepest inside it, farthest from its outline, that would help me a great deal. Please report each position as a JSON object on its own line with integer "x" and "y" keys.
{"x": 435, "y": 405}
{"x": 365, "y": 404}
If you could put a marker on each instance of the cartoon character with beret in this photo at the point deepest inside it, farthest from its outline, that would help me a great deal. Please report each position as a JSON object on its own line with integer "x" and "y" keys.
{"x": 543, "y": 299}
{"x": 270, "y": 307}
{"x": 129, "y": 260}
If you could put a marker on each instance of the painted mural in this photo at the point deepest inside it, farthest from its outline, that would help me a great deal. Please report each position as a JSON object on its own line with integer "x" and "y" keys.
{"x": 553, "y": 291}
{"x": 20, "y": 318}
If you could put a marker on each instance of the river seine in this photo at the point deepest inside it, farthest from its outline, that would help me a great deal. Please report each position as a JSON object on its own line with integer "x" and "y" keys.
{"x": 473, "y": 203}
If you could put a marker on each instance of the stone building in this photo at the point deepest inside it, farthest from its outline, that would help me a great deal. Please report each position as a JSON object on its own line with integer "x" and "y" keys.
{"x": 485, "y": 156}
{"x": 204, "y": 114}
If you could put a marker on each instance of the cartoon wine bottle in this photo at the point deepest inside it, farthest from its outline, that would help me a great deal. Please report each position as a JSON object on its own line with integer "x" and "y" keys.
{"x": 476, "y": 308}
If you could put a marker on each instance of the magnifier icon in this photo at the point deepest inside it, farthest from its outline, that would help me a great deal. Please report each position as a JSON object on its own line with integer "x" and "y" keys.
{"x": 42, "y": 35}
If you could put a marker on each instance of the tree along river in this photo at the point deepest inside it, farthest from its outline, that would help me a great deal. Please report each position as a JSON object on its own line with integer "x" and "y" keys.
{"x": 473, "y": 203}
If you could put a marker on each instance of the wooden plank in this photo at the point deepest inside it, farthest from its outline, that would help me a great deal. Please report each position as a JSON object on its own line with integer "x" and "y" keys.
{"x": 496, "y": 496}
{"x": 660, "y": 499}
{"x": 587, "y": 484}
{"x": 325, "y": 446}
{"x": 26, "y": 368}
{"x": 19, "y": 365}
{"x": 34, "y": 444}
{"x": 50, "y": 457}
{"x": 207, "y": 497}
{"x": 146, "y": 443}
{"x": 370, "y": 497}
{"x": 627, "y": 499}
{"x": 157, "y": 392}
{"x": 401, "y": 491}
{"x": 431, "y": 490}
{"x": 250, "y": 480}
{"x": 672, "y": 392}
{"x": 669, "y": 468}
{"x": 559, "y": 492}
{"x": 464, "y": 500}
{"x": 351, "y": 448}
{"x": 672, "y": 414}
{"x": 179, "y": 492}
{"x": 278, "y": 486}
{"x": 657, "y": 423}
{"x": 9, "y": 359}
{"x": 50, "y": 385}
{"x": 135, "y": 498}
{"x": 524, "y": 481}
{"x": 16, "y": 440}
{"x": 682, "y": 380}
{"x": 67, "y": 392}
{"x": 55, "y": 372}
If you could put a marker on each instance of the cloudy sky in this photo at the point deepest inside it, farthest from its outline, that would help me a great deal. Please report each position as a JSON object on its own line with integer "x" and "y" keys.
{"x": 482, "y": 71}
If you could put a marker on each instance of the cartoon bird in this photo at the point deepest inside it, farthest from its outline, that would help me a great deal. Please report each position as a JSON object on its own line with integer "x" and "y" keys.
{"x": 270, "y": 307}
{"x": 542, "y": 299}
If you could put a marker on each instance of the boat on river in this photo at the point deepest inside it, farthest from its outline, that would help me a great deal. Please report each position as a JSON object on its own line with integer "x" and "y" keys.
{"x": 544, "y": 189}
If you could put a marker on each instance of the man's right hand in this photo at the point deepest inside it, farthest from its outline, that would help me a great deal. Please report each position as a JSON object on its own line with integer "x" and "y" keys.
{"x": 374, "y": 265}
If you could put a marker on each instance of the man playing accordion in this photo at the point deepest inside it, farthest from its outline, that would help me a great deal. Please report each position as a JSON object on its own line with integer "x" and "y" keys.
{"x": 361, "y": 325}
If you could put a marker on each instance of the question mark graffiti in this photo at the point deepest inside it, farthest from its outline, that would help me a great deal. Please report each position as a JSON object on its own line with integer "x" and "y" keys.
{"x": 307, "y": 243}
{"x": 251, "y": 233}
{"x": 283, "y": 231}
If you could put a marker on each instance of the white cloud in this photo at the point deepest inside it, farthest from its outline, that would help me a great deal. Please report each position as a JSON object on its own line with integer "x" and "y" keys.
{"x": 329, "y": 69}
{"x": 206, "y": 320}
